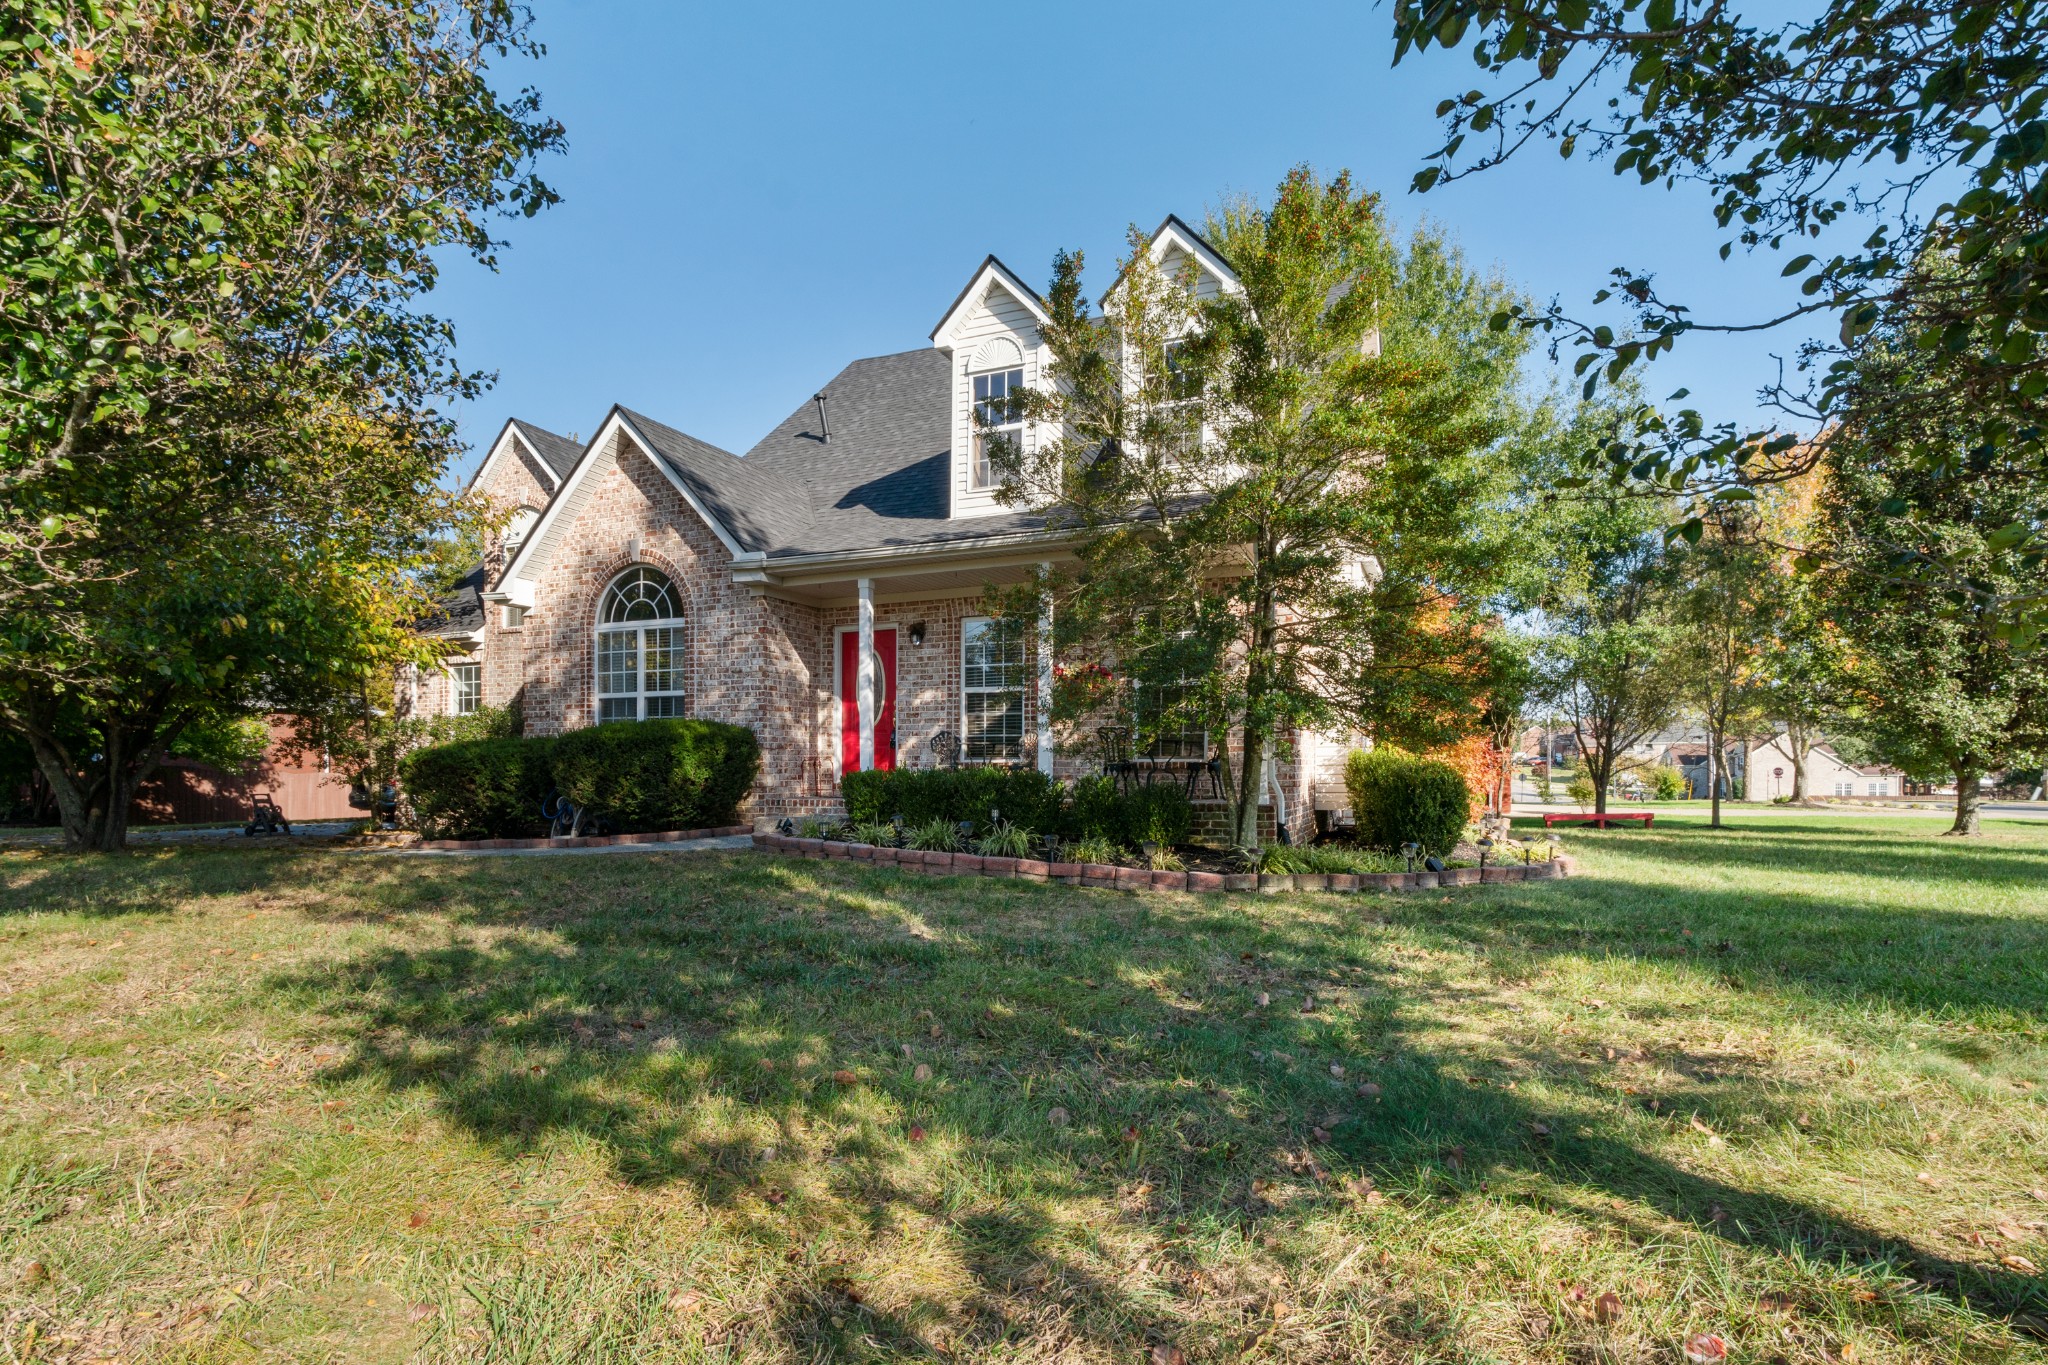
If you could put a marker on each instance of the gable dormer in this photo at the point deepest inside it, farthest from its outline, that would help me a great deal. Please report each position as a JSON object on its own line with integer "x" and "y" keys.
{"x": 1172, "y": 246}
{"x": 994, "y": 336}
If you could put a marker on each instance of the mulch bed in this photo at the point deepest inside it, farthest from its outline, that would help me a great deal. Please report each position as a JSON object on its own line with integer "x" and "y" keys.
{"x": 592, "y": 840}
{"x": 1143, "y": 879}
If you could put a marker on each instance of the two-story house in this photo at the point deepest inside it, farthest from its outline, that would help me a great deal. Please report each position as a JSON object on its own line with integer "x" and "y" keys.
{"x": 824, "y": 588}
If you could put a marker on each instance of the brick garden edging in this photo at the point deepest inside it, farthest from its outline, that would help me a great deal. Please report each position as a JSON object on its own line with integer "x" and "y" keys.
{"x": 591, "y": 840}
{"x": 1138, "y": 879}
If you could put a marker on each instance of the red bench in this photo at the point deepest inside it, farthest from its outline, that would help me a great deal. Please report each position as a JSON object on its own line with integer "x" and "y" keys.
{"x": 1601, "y": 821}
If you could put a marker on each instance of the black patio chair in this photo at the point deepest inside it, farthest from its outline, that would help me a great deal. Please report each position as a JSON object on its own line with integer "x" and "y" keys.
{"x": 945, "y": 747}
{"x": 1117, "y": 763}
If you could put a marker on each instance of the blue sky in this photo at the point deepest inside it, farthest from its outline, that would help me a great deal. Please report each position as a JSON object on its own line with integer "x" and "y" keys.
{"x": 756, "y": 194}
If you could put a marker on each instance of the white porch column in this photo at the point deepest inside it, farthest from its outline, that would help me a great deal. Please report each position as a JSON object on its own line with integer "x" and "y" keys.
{"x": 864, "y": 675}
{"x": 1044, "y": 672}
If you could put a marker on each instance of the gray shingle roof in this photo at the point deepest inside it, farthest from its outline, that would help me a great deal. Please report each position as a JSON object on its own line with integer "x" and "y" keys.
{"x": 761, "y": 508}
{"x": 883, "y": 479}
{"x": 459, "y": 611}
{"x": 559, "y": 453}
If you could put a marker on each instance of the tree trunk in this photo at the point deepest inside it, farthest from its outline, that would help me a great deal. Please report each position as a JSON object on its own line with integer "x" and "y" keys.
{"x": 1599, "y": 771}
{"x": 1714, "y": 779}
{"x": 1801, "y": 744}
{"x": 1969, "y": 797}
{"x": 94, "y": 810}
{"x": 1251, "y": 784}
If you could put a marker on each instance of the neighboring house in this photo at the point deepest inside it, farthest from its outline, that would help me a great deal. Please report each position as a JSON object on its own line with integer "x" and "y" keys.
{"x": 1827, "y": 773}
{"x": 825, "y": 588}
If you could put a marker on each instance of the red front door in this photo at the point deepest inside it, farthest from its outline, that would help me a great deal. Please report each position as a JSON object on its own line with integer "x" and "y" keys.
{"x": 849, "y": 704}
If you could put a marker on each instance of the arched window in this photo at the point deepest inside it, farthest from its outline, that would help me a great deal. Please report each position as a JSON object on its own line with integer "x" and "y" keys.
{"x": 639, "y": 648}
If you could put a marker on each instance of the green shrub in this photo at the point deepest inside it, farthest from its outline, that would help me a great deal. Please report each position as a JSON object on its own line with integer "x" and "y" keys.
{"x": 1158, "y": 814}
{"x": 1094, "y": 849}
{"x": 880, "y": 833}
{"x": 659, "y": 774}
{"x": 936, "y": 836}
{"x": 479, "y": 788}
{"x": 1025, "y": 797}
{"x": 1397, "y": 797}
{"x": 1667, "y": 783}
{"x": 1004, "y": 840}
{"x": 1580, "y": 789}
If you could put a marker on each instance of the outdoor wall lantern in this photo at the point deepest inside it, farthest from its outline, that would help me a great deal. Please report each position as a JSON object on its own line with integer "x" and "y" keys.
{"x": 917, "y": 632}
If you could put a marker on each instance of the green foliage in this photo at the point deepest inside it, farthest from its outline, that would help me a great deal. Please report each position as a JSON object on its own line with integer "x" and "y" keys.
{"x": 1155, "y": 814}
{"x": 224, "y": 430}
{"x": 1348, "y": 407}
{"x": 1580, "y": 790}
{"x": 1397, "y": 798}
{"x": 1004, "y": 840}
{"x": 1095, "y": 848}
{"x": 1767, "y": 111}
{"x": 479, "y": 788}
{"x": 1922, "y": 582}
{"x": 1023, "y": 796}
{"x": 880, "y": 833}
{"x": 936, "y": 836}
{"x": 1666, "y": 783}
{"x": 659, "y": 774}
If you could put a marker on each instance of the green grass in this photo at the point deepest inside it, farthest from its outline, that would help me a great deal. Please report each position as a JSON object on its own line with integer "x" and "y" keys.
{"x": 1785, "y": 1083}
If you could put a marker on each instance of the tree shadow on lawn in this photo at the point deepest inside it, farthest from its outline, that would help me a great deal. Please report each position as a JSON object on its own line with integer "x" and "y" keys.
{"x": 1779, "y": 846}
{"x": 690, "y": 1019}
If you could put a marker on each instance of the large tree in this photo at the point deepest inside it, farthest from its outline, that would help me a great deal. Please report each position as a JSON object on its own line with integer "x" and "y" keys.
{"x": 1930, "y": 673}
{"x": 1290, "y": 498}
{"x": 1609, "y": 651}
{"x": 1891, "y": 150}
{"x": 1727, "y": 606}
{"x": 219, "y": 436}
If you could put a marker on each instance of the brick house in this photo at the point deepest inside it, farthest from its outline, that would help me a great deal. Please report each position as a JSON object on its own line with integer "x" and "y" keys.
{"x": 825, "y": 587}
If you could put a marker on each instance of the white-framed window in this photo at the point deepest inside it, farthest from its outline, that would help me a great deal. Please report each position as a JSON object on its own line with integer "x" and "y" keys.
{"x": 1845, "y": 789}
{"x": 1164, "y": 725}
{"x": 466, "y": 687}
{"x": 992, "y": 420}
{"x": 1877, "y": 789}
{"x": 991, "y": 691}
{"x": 639, "y": 648}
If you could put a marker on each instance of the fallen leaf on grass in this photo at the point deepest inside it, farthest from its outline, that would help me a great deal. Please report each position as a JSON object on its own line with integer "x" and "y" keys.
{"x": 2012, "y": 1232}
{"x": 684, "y": 1302}
{"x": 1168, "y": 1355}
{"x": 775, "y": 1197}
{"x": 1265, "y": 999}
{"x": 1369, "y": 1090}
{"x": 1058, "y": 1118}
{"x": 420, "y": 1312}
{"x": 1540, "y": 1129}
{"x": 1704, "y": 1347}
{"x": 845, "y": 1078}
{"x": 923, "y": 1073}
{"x": 1847, "y": 1353}
{"x": 36, "y": 1273}
{"x": 916, "y": 1133}
{"x": 418, "y": 1219}
{"x": 1929, "y": 1181}
{"x": 2019, "y": 1263}
{"x": 1319, "y": 1134}
{"x": 1777, "y": 1303}
{"x": 1337, "y": 1070}
{"x": 1607, "y": 1308}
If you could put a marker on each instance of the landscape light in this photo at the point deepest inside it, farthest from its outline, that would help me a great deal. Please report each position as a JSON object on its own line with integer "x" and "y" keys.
{"x": 1408, "y": 851}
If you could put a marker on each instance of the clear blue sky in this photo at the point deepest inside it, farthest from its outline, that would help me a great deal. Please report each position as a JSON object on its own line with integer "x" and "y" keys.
{"x": 755, "y": 194}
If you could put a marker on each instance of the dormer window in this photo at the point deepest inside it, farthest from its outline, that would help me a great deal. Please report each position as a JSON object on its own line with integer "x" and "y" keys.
{"x": 993, "y": 420}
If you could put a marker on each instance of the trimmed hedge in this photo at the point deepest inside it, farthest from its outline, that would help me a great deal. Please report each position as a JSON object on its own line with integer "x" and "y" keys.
{"x": 1025, "y": 797}
{"x": 659, "y": 774}
{"x": 1396, "y": 797}
{"x": 479, "y": 788}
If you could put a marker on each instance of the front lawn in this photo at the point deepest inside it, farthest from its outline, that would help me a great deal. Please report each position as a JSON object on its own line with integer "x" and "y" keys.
{"x": 1787, "y": 1084}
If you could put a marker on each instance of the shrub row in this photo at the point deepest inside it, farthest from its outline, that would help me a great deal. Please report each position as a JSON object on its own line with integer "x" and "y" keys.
{"x": 1397, "y": 797}
{"x": 1024, "y": 797}
{"x": 655, "y": 775}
